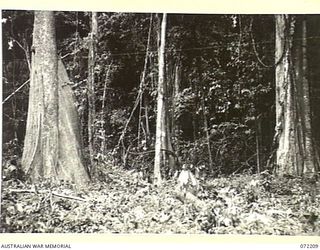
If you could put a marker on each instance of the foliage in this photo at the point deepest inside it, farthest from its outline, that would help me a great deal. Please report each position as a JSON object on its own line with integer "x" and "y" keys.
{"x": 224, "y": 94}
{"x": 123, "y": 202}
{"x": 231, "y": 147}
{"x": 220, "y": 77}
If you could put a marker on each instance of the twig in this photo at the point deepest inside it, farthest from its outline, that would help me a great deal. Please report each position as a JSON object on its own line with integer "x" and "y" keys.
{"x": 12, "y": 94}
{"x": 25, "y": 52}
{"x": 70, "y": 54}
{"x": 44, "y": 192}
{"x": 68, "y": 197}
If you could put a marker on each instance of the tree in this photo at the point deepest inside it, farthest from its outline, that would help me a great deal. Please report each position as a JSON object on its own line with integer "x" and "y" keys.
{"x": 295, "y": 152}
{"x": 51, "y": 146}
{"x": 161, "y": 131}
{"x": 91, "y": 89}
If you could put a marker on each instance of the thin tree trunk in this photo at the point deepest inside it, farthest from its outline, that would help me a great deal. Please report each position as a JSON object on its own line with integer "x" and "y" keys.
{"x": 206, "y": 128}
{"x": 14, "y": 103}
{"x": 91, "y": 90}
{"x": 168, "y": 143}
{"x": 168, "y": 121}
{"x": 140, "y": 117}
{"x": 176, "y": 89}
{"x": 103, "y": 113}
{"x": 143, "y": 77}
{"x": 258, "y": 143}
{"x": 160, "y": 129}
{"x": 175, "y": 95}
{"x": 146, "y": 116}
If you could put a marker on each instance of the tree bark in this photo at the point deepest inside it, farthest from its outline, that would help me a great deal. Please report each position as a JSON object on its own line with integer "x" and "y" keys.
{"x": 303, "y": 97}
{"x": 295, "y": 152}
{"x": 206, "y": 128}
{"x": 91, "y": 90}
{"x": 176, "y": 91}
{"x": 104, "y": 113}
{"x": 70, "y": 152}
{"x": 51, "y": 146}
{"x": 258, "y": 142}
{"x": 285, "y": 129}
{"x": 160, "y": 125}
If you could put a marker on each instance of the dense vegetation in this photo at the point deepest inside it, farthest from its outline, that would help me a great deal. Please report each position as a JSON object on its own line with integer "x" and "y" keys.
{"x": 220, "y": 86}
{"x": 123, "y": 203}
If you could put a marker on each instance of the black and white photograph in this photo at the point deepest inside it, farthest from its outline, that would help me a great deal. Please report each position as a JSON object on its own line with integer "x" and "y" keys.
{"x": 160, "y": 123}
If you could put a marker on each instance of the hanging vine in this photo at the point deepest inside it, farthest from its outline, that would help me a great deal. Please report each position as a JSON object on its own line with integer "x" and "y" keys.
{"x": 255, "y": 47}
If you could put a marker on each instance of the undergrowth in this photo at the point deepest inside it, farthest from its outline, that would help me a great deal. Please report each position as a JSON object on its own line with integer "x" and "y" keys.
{"x": 121, "y": 202}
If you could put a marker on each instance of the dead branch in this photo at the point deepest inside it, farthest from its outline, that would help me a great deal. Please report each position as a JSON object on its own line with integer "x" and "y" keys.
{"x": 26, "y": 52}
{"x": 34, "y": 191}
{"x": 70, "y": 54}
{"x": 13, "y": 93}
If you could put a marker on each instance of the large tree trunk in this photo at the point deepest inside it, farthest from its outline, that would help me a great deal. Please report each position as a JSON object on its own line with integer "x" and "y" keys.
{"x": 293, "y": 121}
{"x": 51, "y": 146}
{"x": 91, "y": 90}
{"x": 70, "y": 153}
{"x": 160, "y": 126}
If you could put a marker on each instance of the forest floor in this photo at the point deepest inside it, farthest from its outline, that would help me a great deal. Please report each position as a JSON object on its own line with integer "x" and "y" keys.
{"x": 122, "y": 203}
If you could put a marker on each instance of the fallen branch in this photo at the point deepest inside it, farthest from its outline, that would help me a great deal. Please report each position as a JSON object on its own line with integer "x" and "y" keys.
{"x": 44, "y": 192}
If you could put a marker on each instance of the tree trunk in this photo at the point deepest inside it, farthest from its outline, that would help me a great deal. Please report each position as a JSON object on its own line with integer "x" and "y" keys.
{"x": 51, "y": 146}
{"x": 175, "y": 95}
{"x": 176, "y": 91}
{"x": 146, "y": 116}
{"x": 288, "y": 156}
{"x": 258, "y": 142}
{"x": 293, "y": 119}
{"x": 70, "y": 152}
{"x": 160, "y": 125}
{"x": 142, "y": 84}
{"x": 303, "y": 97}
{"x": 206, "y": 128}
{"x": 91, "y": 91}
{"x": 104, "y": 113}
{"x": 168, "y": 157}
